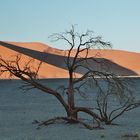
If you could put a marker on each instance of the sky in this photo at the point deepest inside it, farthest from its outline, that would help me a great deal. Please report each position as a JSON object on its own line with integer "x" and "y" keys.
{"x": 117, "y": 21}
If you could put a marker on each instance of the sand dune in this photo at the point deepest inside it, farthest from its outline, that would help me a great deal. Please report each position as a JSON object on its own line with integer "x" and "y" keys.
{"x": 46, "y": 70}
{"x": 122, "y": 62}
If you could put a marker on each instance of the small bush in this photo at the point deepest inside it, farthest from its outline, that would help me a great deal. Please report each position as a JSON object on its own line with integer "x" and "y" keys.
{"x": 132, "y": 135}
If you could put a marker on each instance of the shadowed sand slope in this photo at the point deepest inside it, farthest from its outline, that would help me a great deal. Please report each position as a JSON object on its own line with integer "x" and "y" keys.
{"x": 120, "y": 62}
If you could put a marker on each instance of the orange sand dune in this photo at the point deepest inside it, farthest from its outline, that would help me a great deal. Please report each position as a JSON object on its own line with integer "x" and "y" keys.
{"x": 122, "y": 62}
{"x": 46, "y": 70}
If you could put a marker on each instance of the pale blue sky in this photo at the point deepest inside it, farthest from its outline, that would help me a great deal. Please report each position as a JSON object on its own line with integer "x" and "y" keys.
{"x": 118, "y": 21}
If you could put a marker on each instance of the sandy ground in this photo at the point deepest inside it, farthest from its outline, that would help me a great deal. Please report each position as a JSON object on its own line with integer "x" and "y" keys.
{"x": 18, "y": 110}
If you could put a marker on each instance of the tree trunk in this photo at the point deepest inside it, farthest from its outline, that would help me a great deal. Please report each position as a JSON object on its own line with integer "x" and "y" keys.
{"x": 71, "y": 114}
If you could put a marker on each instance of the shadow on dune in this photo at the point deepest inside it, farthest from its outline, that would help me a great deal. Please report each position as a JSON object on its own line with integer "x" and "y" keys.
{"x": 58, "y": 60}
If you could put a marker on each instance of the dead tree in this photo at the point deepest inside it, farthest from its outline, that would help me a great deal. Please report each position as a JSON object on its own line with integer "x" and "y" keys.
{"x": 77, "y": 59}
